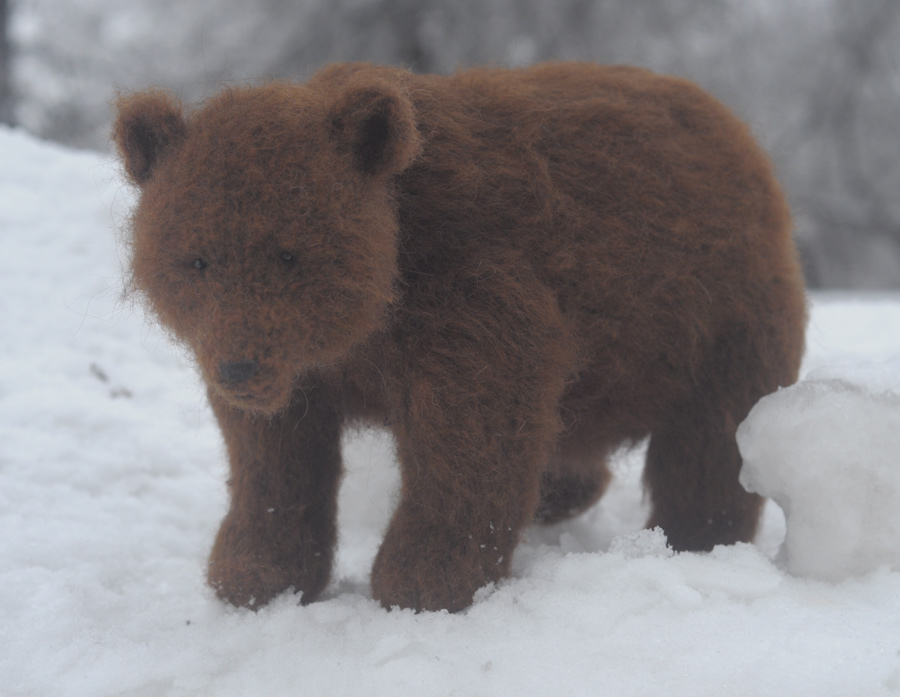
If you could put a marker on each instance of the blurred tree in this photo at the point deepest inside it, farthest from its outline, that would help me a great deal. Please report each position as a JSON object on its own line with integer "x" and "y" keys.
{"x": 848, "y": 143}
{"x": 817, "y": 79}
{"x": 6, "y": 95}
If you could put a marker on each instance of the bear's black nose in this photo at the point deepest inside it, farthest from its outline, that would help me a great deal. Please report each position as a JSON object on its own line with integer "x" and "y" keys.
{"x": 238, "y": 371}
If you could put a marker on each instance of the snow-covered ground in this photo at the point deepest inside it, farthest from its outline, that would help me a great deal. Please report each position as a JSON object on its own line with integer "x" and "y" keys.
{"x": 112, "y": 485}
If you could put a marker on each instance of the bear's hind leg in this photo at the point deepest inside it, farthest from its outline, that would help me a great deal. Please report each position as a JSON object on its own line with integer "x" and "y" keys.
{"x": 692, "y": 472}
{"x": 574, "y": 481}
{"x": 693, "y": 461}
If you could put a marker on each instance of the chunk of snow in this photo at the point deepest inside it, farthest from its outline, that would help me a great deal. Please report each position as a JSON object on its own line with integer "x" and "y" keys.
{"x": 644, "y": 543}
{"x": 827, "y": 451}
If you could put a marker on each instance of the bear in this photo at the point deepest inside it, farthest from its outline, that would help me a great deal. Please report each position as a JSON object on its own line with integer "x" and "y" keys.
{"x": 515, "y": 271}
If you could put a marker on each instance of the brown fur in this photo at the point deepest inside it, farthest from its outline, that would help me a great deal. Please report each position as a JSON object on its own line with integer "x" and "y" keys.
{"x": 517, "y": 271}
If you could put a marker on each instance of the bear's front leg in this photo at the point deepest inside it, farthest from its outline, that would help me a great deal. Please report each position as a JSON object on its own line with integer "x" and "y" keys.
{"x": 477, "y": 419}
{"x": 280, "y": 531}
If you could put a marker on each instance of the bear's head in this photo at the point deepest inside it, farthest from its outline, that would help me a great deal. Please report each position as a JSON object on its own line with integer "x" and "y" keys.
{"x": 265, "y": 235}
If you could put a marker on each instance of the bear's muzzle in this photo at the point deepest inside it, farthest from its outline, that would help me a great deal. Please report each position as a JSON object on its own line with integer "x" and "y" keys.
{"x": 237, "y": 371}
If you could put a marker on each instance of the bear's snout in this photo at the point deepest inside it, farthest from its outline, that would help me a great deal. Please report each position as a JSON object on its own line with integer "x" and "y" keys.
{"x": 237, "y": 371}
{"x": 251, "y": 385}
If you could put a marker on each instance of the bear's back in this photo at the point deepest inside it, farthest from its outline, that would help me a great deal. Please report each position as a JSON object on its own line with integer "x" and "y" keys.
{"x": 640, "y": 200}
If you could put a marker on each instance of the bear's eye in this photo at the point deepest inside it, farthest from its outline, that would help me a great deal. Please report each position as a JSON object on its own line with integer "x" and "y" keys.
{"x": 199, "y": 263}
{"x": 288, "y": 258}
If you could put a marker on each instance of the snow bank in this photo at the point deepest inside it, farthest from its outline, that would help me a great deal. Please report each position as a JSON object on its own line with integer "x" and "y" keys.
{"x": 112, "y": 485}
{"x": 827, "y": 451}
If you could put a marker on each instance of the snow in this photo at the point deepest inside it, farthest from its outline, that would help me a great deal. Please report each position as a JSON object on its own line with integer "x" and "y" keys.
{"x": 827, "y": 451}
{"x": 112, "y": 485}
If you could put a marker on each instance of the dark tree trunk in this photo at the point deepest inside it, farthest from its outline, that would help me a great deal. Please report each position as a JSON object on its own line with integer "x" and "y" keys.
{"x": 6, "y": 97}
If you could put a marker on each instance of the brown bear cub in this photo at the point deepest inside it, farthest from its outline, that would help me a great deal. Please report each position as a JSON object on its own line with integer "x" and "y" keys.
{"x": 516, "y": 271}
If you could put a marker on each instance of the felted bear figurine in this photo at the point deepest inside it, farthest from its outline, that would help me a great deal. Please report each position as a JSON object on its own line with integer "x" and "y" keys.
{"x": 515, "y": 270}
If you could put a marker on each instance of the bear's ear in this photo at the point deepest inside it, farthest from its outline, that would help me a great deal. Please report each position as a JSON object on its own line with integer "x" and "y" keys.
{"x": 376, "y": 124}
{"x": 148, "y": 125}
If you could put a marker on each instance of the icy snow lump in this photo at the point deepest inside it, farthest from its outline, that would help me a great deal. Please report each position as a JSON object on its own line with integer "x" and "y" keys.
{"x": 827, "y": 451}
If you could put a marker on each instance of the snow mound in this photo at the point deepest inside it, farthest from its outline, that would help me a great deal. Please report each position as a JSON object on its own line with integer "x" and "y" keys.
{"x": 827, "y": 451}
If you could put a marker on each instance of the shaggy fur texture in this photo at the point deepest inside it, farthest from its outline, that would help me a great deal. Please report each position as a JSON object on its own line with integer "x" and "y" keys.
{"x": 514, "y": 270}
